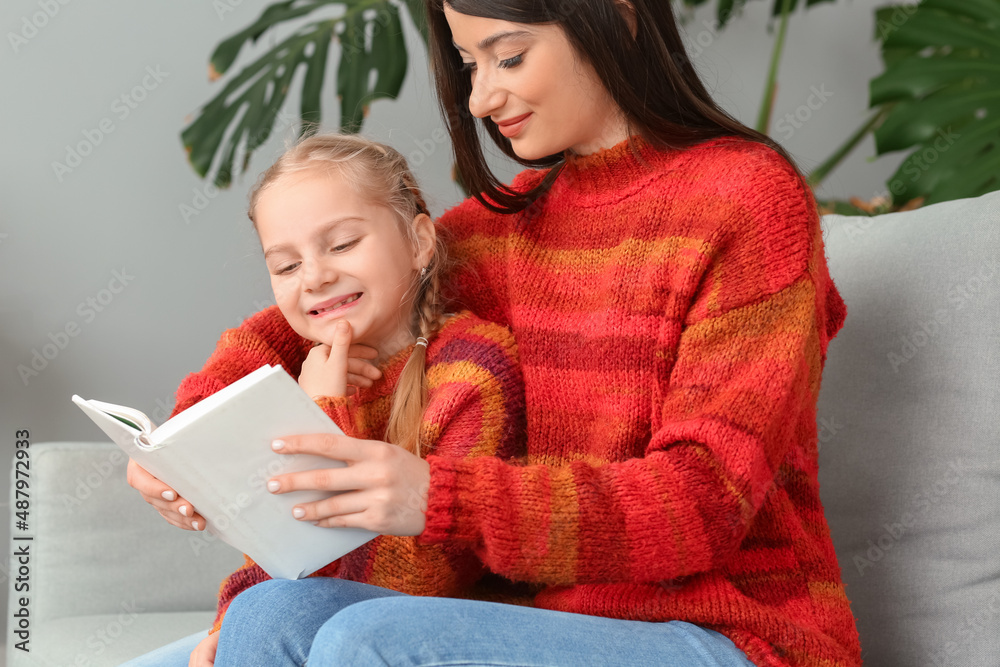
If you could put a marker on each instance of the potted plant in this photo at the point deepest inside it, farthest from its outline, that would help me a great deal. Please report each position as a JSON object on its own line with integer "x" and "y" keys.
{"x": 939, "y": 95}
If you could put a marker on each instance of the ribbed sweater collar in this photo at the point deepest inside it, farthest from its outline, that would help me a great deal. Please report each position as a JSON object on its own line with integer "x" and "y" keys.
{"x": 609, "y": 170}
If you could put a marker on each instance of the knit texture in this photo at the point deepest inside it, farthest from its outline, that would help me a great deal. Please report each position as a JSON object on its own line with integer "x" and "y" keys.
{"x": 475, "y": 408}
{"x": 672, "y": 311}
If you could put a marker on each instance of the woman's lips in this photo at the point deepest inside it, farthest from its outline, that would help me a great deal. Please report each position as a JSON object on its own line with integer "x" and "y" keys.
{"x": 334, "y": 306}
{"x": 511, "y": 128}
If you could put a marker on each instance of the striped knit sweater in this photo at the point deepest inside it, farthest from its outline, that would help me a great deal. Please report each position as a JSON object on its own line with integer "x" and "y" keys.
{"x": 475, "y": 408}
{"x": 672, "y": 311}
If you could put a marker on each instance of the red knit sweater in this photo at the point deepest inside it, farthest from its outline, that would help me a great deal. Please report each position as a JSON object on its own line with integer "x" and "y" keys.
{"x": 672, "y": 314}
{"x": 475, "y": 408}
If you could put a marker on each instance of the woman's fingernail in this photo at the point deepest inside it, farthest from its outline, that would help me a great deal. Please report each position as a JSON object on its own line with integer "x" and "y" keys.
{"x": 273, "y": 486}
{"x": 298, "y": 512}
{"x": 277, "y": 444}
{"x": 169, "y": 495}
{"x": 183, "y": 509}
{"x": 195, "y": 525}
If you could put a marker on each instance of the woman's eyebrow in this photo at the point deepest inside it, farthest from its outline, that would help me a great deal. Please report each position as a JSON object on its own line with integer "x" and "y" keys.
{"x": 496, "y": 37}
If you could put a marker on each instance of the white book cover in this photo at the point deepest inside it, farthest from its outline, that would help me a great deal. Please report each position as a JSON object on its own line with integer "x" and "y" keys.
{"x": 217, "y": 455}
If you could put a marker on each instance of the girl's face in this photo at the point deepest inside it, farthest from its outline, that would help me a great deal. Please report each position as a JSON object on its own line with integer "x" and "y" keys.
{"x": 528, "y": 80}
{"x": 334, "y": 255}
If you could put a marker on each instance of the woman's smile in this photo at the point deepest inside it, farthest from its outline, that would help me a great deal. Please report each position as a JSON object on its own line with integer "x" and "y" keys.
{"x": 528, "y": 79}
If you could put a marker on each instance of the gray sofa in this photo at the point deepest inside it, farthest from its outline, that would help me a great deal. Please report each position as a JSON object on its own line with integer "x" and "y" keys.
{"x": 909, "y": 418}
{"x": 909, "y": 471}
{"x": 110, "y": 579}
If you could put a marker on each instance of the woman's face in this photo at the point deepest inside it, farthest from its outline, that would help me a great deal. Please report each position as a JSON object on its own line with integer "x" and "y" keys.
{"x": 528, "y": 80}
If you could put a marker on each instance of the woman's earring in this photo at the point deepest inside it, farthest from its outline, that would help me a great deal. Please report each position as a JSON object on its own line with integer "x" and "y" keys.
{"x": 423, "y": 272}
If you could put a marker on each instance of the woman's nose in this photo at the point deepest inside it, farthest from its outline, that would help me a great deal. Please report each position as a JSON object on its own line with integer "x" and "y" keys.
{"x": 486, "y": 97}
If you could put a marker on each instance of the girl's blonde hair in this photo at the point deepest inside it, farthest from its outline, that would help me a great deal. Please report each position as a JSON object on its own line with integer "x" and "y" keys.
{"x": 380, "y": 174}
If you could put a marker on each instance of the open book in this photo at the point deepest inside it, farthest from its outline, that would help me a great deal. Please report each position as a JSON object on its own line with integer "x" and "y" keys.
{"x": 217, "y": 454}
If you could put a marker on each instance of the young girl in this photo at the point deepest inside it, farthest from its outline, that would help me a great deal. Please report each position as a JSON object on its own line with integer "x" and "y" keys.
{"x": 354, "y": 260}
{"x": 664, "y": 275}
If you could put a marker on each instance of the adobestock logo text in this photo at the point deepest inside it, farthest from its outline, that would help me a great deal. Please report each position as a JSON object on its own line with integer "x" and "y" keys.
{"x": 122, "y": 107}
{"x": 59, "y": 341}
{"x": 30, "y": 25}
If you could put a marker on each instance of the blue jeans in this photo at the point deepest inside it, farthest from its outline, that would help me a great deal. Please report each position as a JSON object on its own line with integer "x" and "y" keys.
{"x": 328, "y": 622}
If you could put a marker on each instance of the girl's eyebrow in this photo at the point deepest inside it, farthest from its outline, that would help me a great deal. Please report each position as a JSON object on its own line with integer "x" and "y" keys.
{"x": 496, "y": 37}
{"x": 326, "y": 229}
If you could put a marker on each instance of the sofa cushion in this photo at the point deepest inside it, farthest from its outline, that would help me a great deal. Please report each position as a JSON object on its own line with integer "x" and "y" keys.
{"x": 111, "y": 639}
{"x": 100, "y": 552}
{"x": 909, "y": 430}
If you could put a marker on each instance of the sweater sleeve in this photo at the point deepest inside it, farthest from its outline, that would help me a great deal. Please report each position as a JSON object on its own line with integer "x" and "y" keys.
{"x": 263, "y": 338}
{"x": 737, "y": 382}
{"x": 476, "y": 410}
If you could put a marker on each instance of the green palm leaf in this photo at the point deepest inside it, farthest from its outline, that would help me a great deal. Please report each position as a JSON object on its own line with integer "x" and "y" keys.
{"x": 943, "y": 78}
{"x": 242, "y": 115}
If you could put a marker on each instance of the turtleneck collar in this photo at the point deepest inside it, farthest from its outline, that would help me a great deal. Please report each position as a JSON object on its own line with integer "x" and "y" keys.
{"x": 609, "y": 169}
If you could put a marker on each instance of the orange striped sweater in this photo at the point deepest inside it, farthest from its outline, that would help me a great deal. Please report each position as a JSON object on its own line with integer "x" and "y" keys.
{"x": 475, "y": 408}
{"x": 672, "y": 311}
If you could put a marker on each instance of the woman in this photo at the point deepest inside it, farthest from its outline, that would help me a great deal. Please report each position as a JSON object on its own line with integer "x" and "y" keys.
{"x": 664, "y": 276}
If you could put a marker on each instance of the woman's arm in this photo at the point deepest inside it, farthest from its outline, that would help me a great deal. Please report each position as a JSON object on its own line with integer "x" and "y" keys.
{"x": 724, "y": 424}
{"x": 736, "y": 392}
{"x": 478, "y": 412}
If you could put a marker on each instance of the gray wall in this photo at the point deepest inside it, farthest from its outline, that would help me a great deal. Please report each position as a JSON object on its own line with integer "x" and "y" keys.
{"x": 114, "y": 295}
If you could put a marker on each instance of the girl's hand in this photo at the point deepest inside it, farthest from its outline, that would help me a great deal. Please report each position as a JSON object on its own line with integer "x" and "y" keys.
{"x": 203, "y": 654}
{"x": 384, "y": 486}
{"x": 165, "y": 500}
{"x": 338, "y": 368}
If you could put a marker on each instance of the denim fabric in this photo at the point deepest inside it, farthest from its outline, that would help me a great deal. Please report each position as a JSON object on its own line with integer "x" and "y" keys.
{"x": 336, "y": 622}
{"x": 322, "y": 622}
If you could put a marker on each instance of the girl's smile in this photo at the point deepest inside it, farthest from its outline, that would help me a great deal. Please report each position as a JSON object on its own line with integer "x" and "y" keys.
{"x": 335, "y": 306}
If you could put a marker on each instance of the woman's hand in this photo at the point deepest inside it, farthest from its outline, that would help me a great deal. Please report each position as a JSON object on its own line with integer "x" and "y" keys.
{"x": 338, "y": 368}
{"x": 171, "y": 507}
{"x": 384, "y": 487}
{"x": 203, "y": 654}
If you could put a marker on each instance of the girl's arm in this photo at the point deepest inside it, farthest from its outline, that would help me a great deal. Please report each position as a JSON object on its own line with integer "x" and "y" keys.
{"x": 263, "y": 338}
{"x": 476, "y": 410}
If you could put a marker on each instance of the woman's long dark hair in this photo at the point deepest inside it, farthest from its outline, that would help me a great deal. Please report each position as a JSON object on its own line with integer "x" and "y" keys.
{"x": 650, "y": 77}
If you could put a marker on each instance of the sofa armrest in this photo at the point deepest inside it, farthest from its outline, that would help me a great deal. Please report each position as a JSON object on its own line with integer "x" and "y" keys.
{"x": 97, "y": 549}
{"x": 908, "y": 430}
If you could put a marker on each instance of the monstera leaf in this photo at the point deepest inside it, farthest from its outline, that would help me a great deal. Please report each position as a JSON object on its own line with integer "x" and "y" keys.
{"x": 942, "y": 79}
{"x": 372, "y": 64}
{"x": 726, "y": 9}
